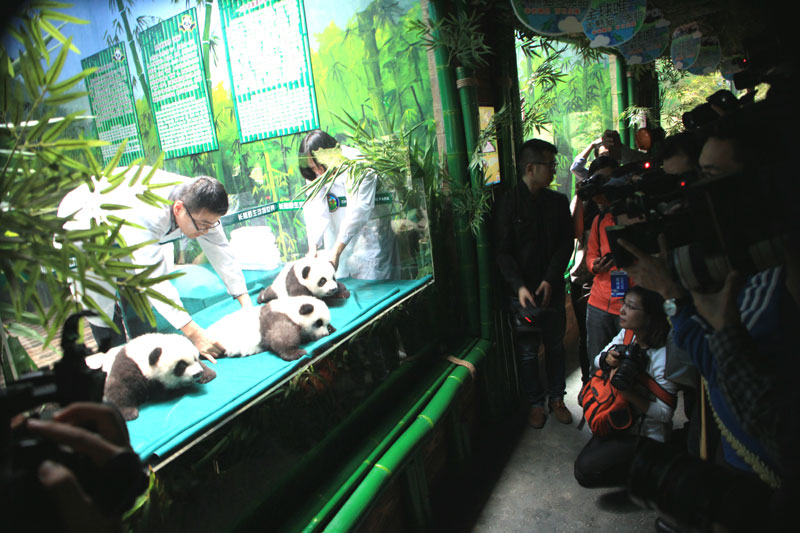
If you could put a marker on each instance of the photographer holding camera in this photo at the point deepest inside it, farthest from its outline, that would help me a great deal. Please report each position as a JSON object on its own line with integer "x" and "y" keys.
{"x": 605, "y": 459}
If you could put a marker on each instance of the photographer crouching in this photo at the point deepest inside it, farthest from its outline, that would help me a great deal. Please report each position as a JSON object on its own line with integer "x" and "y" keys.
{"x": 634, "y": 363}
{"x": 72, "y": 469}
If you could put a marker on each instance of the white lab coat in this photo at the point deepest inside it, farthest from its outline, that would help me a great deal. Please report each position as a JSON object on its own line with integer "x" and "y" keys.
{"x": 364, "y": 229}
{"x": 157, "y": 224}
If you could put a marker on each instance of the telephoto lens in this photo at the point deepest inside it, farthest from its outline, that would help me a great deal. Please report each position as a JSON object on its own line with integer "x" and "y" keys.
{"x": 633, "y": 361}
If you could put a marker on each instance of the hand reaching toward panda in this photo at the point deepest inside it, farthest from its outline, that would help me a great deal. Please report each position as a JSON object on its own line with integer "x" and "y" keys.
{"x": 208, "y": 347}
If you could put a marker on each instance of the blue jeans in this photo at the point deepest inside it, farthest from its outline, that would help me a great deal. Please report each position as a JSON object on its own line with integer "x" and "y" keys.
{"x": 600, "y": 329}
{"x": 553, "y": 327}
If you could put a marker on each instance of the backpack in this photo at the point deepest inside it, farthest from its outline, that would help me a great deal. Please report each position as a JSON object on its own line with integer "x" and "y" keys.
{"x": 604, "y": 407}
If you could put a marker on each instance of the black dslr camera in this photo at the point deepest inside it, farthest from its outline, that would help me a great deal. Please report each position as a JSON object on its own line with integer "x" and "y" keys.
{"x": 528, "y": 319}
{"x": 112, "y": 487}
{"x": 634, "y": 359}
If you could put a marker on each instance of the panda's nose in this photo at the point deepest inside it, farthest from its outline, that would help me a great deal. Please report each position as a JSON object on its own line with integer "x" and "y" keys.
{"x": 331, "y": 329}
{"x": 197, "y": 375}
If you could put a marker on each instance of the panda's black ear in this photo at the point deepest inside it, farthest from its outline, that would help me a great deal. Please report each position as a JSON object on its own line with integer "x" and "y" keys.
{"x": 154, "y": 355}
{"x": 306, "y": 309}
{"x": 306, "y": 270}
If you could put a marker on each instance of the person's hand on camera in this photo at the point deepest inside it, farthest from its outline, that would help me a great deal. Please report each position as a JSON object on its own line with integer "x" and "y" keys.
{"x": 651, "y": 272}
{"x": 602, "y": 264}
{"x": 525, "y": 297}
{"x": 544, "y": 292}
{"x": 110, "y": 437}
{"x": 613, "y": 358}
{"x": 721, "y": 309}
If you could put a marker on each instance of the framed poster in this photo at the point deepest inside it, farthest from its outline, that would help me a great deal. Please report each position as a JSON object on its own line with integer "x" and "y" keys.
{"x": 112, "y": 104}
{"x": 179, "y": 98}
{"x": 269, "y": 63}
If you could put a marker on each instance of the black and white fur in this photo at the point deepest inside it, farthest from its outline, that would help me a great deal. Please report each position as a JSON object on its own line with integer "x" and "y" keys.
{"x": 307, "y": 276}
{"x": 148, "y": 366}
{"x": 280, "y": 326}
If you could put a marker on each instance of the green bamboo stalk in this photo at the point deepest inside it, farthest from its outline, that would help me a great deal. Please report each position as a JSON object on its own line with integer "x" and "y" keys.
{"x": 631, "y": 97}
{"x": 349, "y": 485}
{"x": 392, "y": 462}
{"x": 621, "y": 98}
{"x": 468, "y": 96}
{"x": 366, "y": 30}
{"x": 457, "y": 166}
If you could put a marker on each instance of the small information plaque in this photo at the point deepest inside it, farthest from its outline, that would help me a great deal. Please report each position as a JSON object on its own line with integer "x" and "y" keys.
{"x": 270, "y": 67}
{"x": 178, "y": 95}
{"x": 112, "y": 104}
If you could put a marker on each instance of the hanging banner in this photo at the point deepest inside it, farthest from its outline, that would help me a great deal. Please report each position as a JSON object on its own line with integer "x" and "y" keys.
{"x": 270, "y": 67}
{"x": 178, "y": 95}
{"x": 551, "y": 17}
{"x": 708, "y": 58}
{"x": 650, "y": 42}
{"x": 112, "y": 104}
{"x": 685, "y": 45}
{"x": 613, "y": 22}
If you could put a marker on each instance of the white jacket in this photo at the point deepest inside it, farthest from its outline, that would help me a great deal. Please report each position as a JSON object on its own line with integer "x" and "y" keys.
{"x": 365, "y": 230}
{"x": 157, "y": 224}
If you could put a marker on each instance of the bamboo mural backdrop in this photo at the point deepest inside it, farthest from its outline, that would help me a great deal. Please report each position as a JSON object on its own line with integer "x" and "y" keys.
{"x": 566, "y": 98}
{"x": 367, "y": 63}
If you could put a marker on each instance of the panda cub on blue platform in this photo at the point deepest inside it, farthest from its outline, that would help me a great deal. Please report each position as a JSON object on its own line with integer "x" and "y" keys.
{"x": 281, "y": 326}
{"x": 147, "y": 367}
{"x": 307, "y": 276}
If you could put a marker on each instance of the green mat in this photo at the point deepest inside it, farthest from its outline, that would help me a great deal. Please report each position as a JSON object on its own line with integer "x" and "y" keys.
{"x": 165, "y": 426}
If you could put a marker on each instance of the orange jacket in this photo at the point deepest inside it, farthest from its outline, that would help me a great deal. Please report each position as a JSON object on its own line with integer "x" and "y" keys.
{"x": 600, "y": 297}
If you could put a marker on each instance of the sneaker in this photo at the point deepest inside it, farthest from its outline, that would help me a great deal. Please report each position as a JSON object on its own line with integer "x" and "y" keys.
{"x": 537, "y": 417}
{"x": 560, "y": 411}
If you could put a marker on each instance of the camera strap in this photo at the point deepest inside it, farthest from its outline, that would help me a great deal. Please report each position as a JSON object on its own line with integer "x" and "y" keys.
{"x": 647, "y": 380}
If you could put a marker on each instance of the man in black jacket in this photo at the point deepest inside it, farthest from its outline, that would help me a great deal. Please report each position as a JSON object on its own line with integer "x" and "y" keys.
{"x": 534, "y": 244}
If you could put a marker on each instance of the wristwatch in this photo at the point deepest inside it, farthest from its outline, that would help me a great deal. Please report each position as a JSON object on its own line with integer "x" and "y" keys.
{"x": 671, "y": 305}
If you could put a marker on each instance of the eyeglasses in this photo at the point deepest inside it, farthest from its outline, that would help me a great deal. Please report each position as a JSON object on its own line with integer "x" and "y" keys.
{"x": 204, "y": 227}
{"x": 632, "y": 308}
{"x": 551, "y": 164}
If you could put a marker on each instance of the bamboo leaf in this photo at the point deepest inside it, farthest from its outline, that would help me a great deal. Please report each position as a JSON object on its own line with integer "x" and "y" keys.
{"x": 57, "y": 15}
{"x": 58, "y": 64}
{"x": 70, "y": 82}
{"x": 57, "y": 35}
{"x": 60, "y": 99}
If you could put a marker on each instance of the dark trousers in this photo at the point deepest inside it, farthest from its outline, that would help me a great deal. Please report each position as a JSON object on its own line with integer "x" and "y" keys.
{"x": 605, "y": 461}
{"x": 105, "y": 337}
{"x": 600, "y": 329}
{"x": 551, "y": 334}
{"x": 579, "y": 303}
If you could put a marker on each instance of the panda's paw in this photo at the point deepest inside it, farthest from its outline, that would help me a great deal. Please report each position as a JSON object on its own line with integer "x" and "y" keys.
{"x": 208, "y": 374}
{"x": 292, "y": 355}
{"x": 129, "y": 413}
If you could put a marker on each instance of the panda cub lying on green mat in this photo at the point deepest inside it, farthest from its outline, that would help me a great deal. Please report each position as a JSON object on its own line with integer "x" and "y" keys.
{"x": 307, "y": 276}
{"x": 147, "y": 368}
{"x": 281, "y": 326}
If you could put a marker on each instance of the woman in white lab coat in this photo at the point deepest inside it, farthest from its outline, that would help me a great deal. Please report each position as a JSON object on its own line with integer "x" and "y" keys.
{"x": 356, "y": 238}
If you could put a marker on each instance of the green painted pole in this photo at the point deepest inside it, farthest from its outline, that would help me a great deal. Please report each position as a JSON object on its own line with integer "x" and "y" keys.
{"x": 468, "y": 94}
{"x": 403, "y": 449}
{"x": 457, "y": 167}
{"x": 631, "y": 97}
{"x": 621, "y": 99}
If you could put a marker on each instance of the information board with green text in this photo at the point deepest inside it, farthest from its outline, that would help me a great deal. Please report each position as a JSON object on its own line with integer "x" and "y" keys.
{"x": 270, "y": 67}
{"x": 112, "y": 104}
{"x": 178, "y": 94}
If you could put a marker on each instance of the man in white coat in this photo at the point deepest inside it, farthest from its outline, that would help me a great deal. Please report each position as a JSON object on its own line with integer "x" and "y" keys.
{"x": 194, "y": 210}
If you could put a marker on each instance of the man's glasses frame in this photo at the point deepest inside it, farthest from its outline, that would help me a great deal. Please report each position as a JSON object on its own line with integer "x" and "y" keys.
{"x": 198, "y": 228}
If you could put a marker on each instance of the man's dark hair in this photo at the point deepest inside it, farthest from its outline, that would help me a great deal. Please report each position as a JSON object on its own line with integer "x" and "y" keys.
{"x": 601, "y": 162}
{"x": 657, "y": 326}
{"x": 688, "y": 143}
{"x": 204, "y": 192}
{"x": 314, "y": 140}
{"x": 532, "y": 151}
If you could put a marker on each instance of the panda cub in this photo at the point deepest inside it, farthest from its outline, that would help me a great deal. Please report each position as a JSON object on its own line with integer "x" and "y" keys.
{"x": 307, "y": 276}
{"x": 149, "y": 366}
{"x": 280, "y": 326}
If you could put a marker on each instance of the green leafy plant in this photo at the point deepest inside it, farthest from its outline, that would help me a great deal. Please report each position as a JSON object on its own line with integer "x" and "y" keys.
{"x": 46, "y": 270}
{"x": 458, "y": 33}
